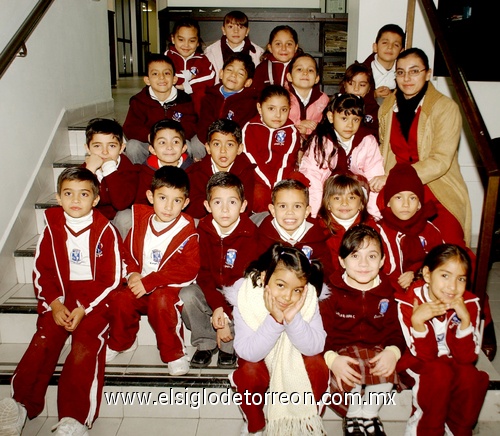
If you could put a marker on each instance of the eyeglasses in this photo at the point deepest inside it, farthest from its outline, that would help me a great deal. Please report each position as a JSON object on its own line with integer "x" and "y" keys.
{"x": 412, "y": 73}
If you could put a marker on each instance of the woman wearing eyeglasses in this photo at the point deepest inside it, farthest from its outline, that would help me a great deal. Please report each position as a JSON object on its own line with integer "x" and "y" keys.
{"x": 421, "y": 126}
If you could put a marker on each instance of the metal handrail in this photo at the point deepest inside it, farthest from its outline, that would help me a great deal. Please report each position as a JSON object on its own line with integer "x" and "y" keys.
{"x": 484, "y": 147}
{"x": 17, "y": 44}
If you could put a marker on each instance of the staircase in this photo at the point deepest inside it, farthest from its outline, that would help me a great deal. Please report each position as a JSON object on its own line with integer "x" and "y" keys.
{"x": 141, "y": 374}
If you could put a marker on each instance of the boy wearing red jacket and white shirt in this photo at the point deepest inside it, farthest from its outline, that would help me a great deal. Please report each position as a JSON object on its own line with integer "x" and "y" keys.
{"x": 272, "y": 142}
{"x": 162, "y": 256}
{"x": 228, "y": 244}
{"x": 77, "y": 268}
{"x": 289, "y": 224}
{"x": 224, "y": 153}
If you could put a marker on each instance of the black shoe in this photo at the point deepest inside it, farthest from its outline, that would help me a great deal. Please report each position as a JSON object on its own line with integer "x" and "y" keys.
{"x": 373, "y": 427}
{"x": 202, "y": 358}
{"x": 226, "y": 360}
{"x": 353, "y": 427}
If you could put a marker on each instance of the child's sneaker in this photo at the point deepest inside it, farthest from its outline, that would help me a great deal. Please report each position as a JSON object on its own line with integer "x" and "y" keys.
{"x": 179, "y": 366}
{"x": 373, "y": 427}
{"x": 244, "y": 431}
{"x": 353, "y": 426}
{"x": 12, "y": 417}
{"x": 111, "y": 354}
{"x": 70, "y": 427}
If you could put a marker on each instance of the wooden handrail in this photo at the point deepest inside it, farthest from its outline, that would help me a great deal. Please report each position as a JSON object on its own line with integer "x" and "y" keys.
{"x": 18, "y": 41}
{"x": 483, "y": 144}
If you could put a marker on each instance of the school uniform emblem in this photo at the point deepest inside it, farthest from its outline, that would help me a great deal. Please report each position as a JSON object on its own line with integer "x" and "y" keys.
{"x": 76, "y": 256}
{"x": 383, "y": 305}
{"x": 455, "y": 320}
{"x": 193, "y": 71}
{"x": 230, "y": 258}
{"x": 230, "y": 115}
{"x": 307, "y": 251}
{"x": 98, "y": 250}
{"x": 280, "y": 137}
{"x": 368, "y": 119}
{"x": 177, "y": 116}
{"x": 156, "y": 256}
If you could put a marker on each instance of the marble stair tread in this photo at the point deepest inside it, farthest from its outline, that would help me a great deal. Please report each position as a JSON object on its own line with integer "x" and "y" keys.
{"x": 69, "y": 161}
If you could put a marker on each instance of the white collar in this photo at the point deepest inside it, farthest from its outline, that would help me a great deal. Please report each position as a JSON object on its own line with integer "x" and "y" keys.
{"x": 171, "y": 97}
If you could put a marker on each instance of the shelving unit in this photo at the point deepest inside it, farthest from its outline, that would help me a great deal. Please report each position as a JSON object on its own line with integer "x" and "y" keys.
{"x": 323, "y": 35}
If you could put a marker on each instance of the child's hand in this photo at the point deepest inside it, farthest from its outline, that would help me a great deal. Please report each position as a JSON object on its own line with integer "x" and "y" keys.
{"x": 60, "y": 313}
{"x": 458, "y": 305}
{"x": 272, "y": 306}
{"x": 377, "y": 183}
{"x": 137, "y": 288}
{"x": 304, "y": 125}
{"x": 382, "y": 91}
{"x": 405, "y": 279}
{"x": 75, "y": 318}
{"x": 290, "y": 312}
{"x": 93, "y": 162}
{"x": 426, "y": 311}
{"x": 224, "y": 335}
{"x": 342, "y": 369}
{"x": 218, "y": 318}
{"x": 385, "y": 363}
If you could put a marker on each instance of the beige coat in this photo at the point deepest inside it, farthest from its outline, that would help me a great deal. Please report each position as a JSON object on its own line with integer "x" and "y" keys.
{"x": 439, "y": 127}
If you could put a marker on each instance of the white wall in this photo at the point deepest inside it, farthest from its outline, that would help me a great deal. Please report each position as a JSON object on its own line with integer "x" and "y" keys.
{"x": 67, "y": 67}
{"x": 365, "y": 18}
{"x": 245, "y": 4}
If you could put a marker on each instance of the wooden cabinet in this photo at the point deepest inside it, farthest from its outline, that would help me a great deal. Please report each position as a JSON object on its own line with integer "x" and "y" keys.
{"x": 323, "y": 35}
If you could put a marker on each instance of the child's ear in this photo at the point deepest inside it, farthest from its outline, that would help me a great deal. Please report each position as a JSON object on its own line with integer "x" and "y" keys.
{"x": 240, "y": 149}
{"x": 223, "y": 31}
{"x": 152, "y": 150}
{"x": 308, "y": 211}
{"x": 96, "y": 200}
{"x": 317, "y": 79}
{"x": 150, "y": 196}
{"x": 243, "y": 206}
{"x": 87, "y": 149}
{"x": 58, "y": 198}
{"x": 419, "y": 206}
{"x": 288, "y": 77}
{"x": 174, "y": 81}
{"x": 329, "y": 115}
{"x": 259, "y": 109}
{"x": 382, "y": 261}
{"x": 271, "y": 209}
{"x": 248, "y": 83}
{"x": 146, "y": 80}
{"x": 184, "y": 148}
{"x": 341, "y": 261}
{"x": 374, "y": 47}
{"x": 426, "y": 273}
{"x": 207, "y": 206}
{"x": 207, "y": 147}
{"x": 186, "y": 203}
{"x": 122, "y": 148}
{"x": 262, "y": 277}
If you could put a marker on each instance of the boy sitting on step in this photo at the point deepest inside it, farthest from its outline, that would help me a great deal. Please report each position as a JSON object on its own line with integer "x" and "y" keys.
{"x": 228, "y": 244}
{"x": 77, "y": 268}
{"x": 161, "y": 256}
{"x": 117, "y": 175}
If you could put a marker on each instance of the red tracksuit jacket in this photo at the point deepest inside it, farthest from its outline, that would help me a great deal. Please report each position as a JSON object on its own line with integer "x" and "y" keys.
{"x": 51, "y": 273}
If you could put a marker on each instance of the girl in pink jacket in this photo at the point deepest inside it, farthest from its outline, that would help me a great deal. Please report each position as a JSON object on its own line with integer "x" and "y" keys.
{"x": 341, "y": 144}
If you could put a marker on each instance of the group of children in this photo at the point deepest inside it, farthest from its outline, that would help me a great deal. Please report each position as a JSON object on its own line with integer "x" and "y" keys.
{"x": 258, "y": 227}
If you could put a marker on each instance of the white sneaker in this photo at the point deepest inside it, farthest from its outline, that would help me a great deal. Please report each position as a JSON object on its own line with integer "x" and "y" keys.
{"x": 111, "y": 354}
{"x": 70, "y": 427}
{"x": 244, "y": 430}
{"x": 179, "y": 366}
{"x": 12, "y": 417}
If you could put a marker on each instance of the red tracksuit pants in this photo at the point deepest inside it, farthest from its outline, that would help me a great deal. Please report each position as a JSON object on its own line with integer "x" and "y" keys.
{"x": 254, "y": 377}
{"x": 446, "y": 392}
{"x": 80, "y": 386}
{"x": 163, "y": 308}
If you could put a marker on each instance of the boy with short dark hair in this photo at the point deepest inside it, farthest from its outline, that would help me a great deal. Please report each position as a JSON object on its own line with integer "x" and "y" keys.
{"x": 228, "y": 244}
{"x": 290, "y": 224}
{"x": 233, "y": 99}
{"x": 224, "y": 153}
{"x": 118, "y": 177}
{"x": 390, "y": 41}
{"x": 76, "y": 269}
{"x": 235, "y": 30}
{"x": 158, "y": 100}
{"x": 167, "y": 145}
{"x": 162, "y": 256}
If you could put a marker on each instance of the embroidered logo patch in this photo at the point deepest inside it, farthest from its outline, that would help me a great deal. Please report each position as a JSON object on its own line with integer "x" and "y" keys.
{"x": 368, "y": 119}
{"x": 193, "y": 71}
{"x": 182, "y": 246}
{"x": 177, "y": 116}
{"x": 307, "y": 251}
{"x": 230, "y": 257}
{"x": 98, "y": 250}
{"x": 76, "y": 256}
{"x": 383, "y": 305}
{"x": 230, "y": 115}
{"x": 156, "y": 256}
{"x": 280, "y": 137}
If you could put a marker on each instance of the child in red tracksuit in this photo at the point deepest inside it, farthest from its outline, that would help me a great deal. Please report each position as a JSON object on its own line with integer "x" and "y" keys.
{"x": 282, "y": 46}
{"x": 272, "y": 142}
{"x": 159, "y": 100}
{"x": 440, "y": 321}
{"x": 168, "y": 148}
{"x": 193, "y": 69}
{"x": 290, "y": 225}
{"x": 233, "y": 98}
{"x": 343, "y": 206}
{"x": 77, "y": 268}
{"x": 224, "y": 153}
{"x": 162, "y": 257}
{"x": 363, "y": 337}
{"x": 118, "y": 177}
{"x": 408, "y": 235}
{"x": 228, "y": 244}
